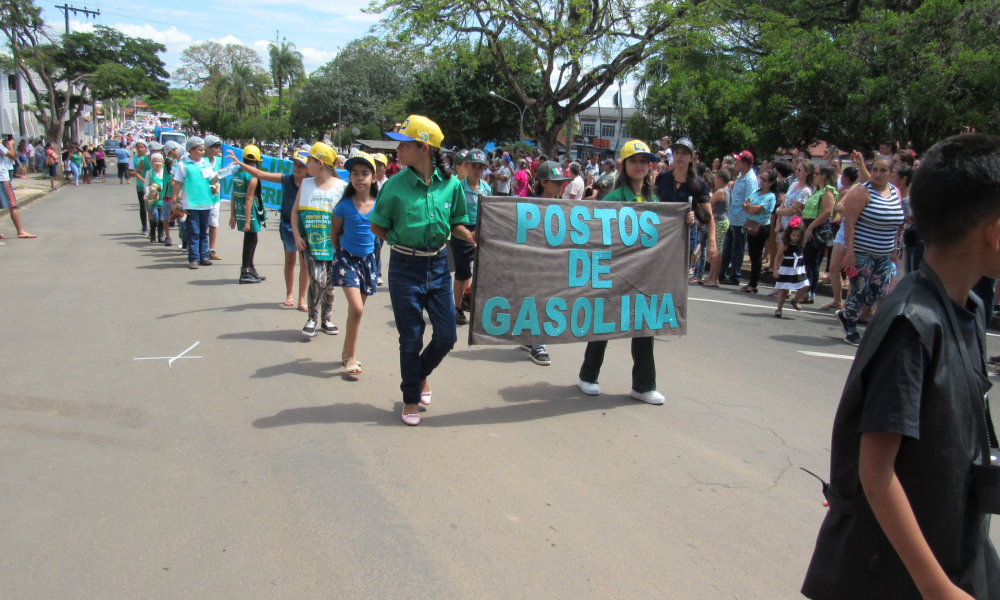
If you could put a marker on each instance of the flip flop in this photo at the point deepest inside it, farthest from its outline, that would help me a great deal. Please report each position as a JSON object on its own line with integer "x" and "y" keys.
{"x": 303, "y": 308}
{"x": 26, "y": 236}
{"x": 710, "y": 284}
{"x": 288, "y": 303}
{"x": 831, "y": 307}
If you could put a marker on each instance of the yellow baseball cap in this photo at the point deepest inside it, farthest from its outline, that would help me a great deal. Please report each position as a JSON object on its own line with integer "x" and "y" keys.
{"x": 637, "y": 147}
{"x": 323, "y": 153}
{"x": 360, "y": 157}
{"x": 251, "y": 152}
{"x": 418, "y": 129}
{"x": 302, "y": 156}
{"x": 379, "y": 157}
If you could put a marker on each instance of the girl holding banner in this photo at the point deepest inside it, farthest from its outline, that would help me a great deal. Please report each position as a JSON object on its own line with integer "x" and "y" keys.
{"x": 634, "y": 184}
{"x": 311, "y": 226}
{"x": 416, "y": 211}
{"x": 245, "y": 210}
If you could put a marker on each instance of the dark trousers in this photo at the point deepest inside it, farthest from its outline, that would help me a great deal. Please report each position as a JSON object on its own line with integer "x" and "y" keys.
{"x": 122, "y": 171}
{"x": 812, "y": 257}
{"x": 643, "y": 364}
{"x": 249, "y": 248}
{"x": 913, "y": 255}
{"x": 756, "y": 244}
{"x": 732, "y": 253}
{"x": 417, "y": 284}
{"x": 196, "y": 235}
{"x": 142, "y": 208}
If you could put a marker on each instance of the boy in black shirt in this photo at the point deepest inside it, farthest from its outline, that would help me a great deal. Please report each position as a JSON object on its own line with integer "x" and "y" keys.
{"x": 904, "y": 521}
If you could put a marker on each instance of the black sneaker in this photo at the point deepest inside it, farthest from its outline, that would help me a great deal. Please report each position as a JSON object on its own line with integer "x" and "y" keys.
{"x": 310, "y": 329}
{"x": 467, "y": 300}
{"x": 843, "y": 321}
{"x": 540, "y": 357}
{"x": 853, "y": 338}
{"x": 460, "y": 318}
{"x": 329, "y": 328}
{"x": 247, "y": 277}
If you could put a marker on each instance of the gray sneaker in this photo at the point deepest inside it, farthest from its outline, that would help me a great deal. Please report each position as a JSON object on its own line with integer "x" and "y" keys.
{"x": 310, "y": 329}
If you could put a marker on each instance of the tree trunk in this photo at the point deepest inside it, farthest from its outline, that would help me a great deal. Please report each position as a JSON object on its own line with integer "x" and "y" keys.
{"x": 21, "y": 129}
{"x": 279, "y": 102}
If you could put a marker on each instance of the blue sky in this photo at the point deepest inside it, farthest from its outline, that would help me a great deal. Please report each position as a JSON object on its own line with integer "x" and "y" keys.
{"x": 318, "y": 29}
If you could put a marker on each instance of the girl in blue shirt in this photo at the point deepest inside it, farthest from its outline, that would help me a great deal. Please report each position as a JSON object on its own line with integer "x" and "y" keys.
{"x": 354, "y": 257}
{"x": 758, "y": 208}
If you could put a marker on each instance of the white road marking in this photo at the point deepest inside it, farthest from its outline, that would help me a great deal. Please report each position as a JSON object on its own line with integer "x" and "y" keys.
{"x": 825, "y": 355}
{"x": 769, "y": 307}
{"x": 170, "y": 359}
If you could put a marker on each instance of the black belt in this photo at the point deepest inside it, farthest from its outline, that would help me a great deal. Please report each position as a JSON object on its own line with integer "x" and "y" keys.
{"x": 425, "y": 252}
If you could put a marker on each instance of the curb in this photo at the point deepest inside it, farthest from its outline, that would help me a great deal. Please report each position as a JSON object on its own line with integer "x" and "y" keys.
{"x": 26, "y": 203}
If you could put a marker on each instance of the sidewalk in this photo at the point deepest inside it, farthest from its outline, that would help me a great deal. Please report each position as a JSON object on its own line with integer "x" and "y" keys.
{"x": 32, "y": 188}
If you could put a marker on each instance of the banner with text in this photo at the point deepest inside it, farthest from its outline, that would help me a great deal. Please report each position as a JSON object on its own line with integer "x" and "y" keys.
{"x": 269, "y": 192}
{"x": 552, "y": 271}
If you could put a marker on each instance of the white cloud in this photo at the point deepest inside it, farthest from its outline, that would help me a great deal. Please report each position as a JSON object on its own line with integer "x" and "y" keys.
{"x": 171, "y": 38}
{"x": 229, "y": 39}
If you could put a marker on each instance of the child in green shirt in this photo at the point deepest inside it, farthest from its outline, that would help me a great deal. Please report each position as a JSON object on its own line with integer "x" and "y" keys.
{"x": 245, "y": 209}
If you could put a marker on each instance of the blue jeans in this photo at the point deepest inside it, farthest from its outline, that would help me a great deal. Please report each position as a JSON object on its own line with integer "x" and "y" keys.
{"x": 197, "y": 234}
{"x": 733, "y": 250}
{"x": 75, "y": 168}
{"x": 417, "y": 284}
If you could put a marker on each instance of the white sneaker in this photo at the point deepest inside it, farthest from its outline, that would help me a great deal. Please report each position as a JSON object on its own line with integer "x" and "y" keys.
{"x": 651, "y": 397}
{"x": 591, "y": 389}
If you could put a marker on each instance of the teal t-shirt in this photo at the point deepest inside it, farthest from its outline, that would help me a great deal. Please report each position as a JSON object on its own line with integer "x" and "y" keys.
{"x": 241, "y": 182}
{"x": 158, "y": 180}
{"x": 140, "y": 164}
{"x": 472, "y": 199}
{"x": 197, "y": 184}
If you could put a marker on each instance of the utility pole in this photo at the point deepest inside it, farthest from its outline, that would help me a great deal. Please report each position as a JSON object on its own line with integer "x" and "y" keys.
{"x": 68, "y": 8}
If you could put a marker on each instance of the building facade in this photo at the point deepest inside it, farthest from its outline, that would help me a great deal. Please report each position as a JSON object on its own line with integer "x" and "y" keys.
{"x": 8, "y": 107}
{"x": 602, "y": 131}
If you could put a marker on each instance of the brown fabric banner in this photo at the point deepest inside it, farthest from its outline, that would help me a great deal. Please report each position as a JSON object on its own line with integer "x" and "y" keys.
{"x": 553, "y": 271}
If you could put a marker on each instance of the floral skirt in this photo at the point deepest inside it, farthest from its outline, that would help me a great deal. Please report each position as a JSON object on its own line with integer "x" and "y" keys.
{"x": 355, "y": 271}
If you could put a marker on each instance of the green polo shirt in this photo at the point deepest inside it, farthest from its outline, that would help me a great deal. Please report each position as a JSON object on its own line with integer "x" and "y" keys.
{"x": 416, "y": 215}
{"x": 141, "y": 164}
{"x": 625, "y": 194}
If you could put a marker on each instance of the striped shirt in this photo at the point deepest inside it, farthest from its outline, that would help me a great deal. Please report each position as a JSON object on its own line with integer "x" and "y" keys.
{"x": 875, "y": 231}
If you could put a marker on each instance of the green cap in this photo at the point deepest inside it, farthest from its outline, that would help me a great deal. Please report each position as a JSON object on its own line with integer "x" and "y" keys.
{"x": 460, "y": 157}
{"x": 550, "y": 171}
{"x": 476, "y": 156}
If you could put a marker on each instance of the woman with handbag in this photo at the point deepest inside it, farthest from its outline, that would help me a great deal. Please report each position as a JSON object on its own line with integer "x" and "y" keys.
{"x": 873, "y": 216}
{"x": 816, "y": 217}
{"x": 757, "y": 227}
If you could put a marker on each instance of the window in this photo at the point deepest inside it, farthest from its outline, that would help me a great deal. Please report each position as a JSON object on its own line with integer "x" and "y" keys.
{"x": 607, "y": 130}
{"x": 588, "y": 129}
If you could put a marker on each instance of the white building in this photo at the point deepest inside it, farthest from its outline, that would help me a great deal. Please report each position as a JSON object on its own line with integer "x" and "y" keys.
{"x": 603, "y": 130}
{"x": 8, "y": 106}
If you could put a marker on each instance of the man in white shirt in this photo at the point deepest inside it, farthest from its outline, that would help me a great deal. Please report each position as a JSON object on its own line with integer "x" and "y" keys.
{"x": 502, "y": 177}
{"x": 7, "y": 200}
{"x": 576, "y": 187}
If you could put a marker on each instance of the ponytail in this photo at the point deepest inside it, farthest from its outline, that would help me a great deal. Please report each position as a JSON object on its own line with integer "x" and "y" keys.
{"x": 438, "y": 163}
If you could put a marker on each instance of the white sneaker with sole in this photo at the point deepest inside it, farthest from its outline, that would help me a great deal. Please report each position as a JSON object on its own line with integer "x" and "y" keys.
{"x": 651, "y": 397}
{"x": 591, "y": 389}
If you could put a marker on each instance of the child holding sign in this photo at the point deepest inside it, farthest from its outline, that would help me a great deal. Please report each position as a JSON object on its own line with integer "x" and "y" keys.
{"x": 634, "y": 184}
{"x": 311, "y": 219}
{"x": 354, "y": 259}
{"x": 474, "y": 187}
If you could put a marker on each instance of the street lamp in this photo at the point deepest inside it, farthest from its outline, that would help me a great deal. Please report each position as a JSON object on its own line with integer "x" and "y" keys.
{"x": 520, "y": 141}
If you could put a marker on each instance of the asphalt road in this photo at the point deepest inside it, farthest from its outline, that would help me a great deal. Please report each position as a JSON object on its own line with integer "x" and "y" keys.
{"x": 262, "y": 471}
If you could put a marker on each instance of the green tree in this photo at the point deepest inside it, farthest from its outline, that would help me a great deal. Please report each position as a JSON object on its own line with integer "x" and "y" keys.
{"x": 580, "y": 48}
{"x": 244, "y": 88}
{"x": 286, "y": 67}
{"x": 204, "y": 63}
{"x": 455, "y": 92}
{"x": 363, "y": 83}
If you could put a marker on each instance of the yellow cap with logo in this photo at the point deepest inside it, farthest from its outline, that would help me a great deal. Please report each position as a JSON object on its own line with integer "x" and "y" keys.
{"x": 251, "y": 152}
{"x": 302, "y": 156}
{"x": 418, "y": 129}
{"x": 360, "y": 157}
{"x": 637, "y": 148}
{"x": 379, "y": 157}
{"x": 323, "y": 153}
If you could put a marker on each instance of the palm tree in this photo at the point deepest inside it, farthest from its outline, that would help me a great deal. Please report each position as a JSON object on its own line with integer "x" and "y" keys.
{"x": 286, "y": 67}
{"x": 244, "y": 87}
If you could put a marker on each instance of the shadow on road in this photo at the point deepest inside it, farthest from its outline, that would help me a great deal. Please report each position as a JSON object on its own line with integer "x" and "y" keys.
{"x": 275, "y": 335}
{"x": 806, "y": 340}
{"x": 527, "y": 403}
{"x": 235, "y": 308}
{"x": 510, "y": 354}
{"x": 302, "y": 366}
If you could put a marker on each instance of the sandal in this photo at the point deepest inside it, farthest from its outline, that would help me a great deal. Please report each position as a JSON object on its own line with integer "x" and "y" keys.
{"x": 288, "y": 303}
{"x": 777, "y": 314}
{"x": 748, "y": 289}
{"x": 796, "y": 305}
{"x": 354, "y": 369}
{"x": 710, "y": 284}
{"x": 773, "y": 294}
{"x": 831, "y": 306}
{"x": 694, "y": 280}
{"x": 303, "y": 308}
